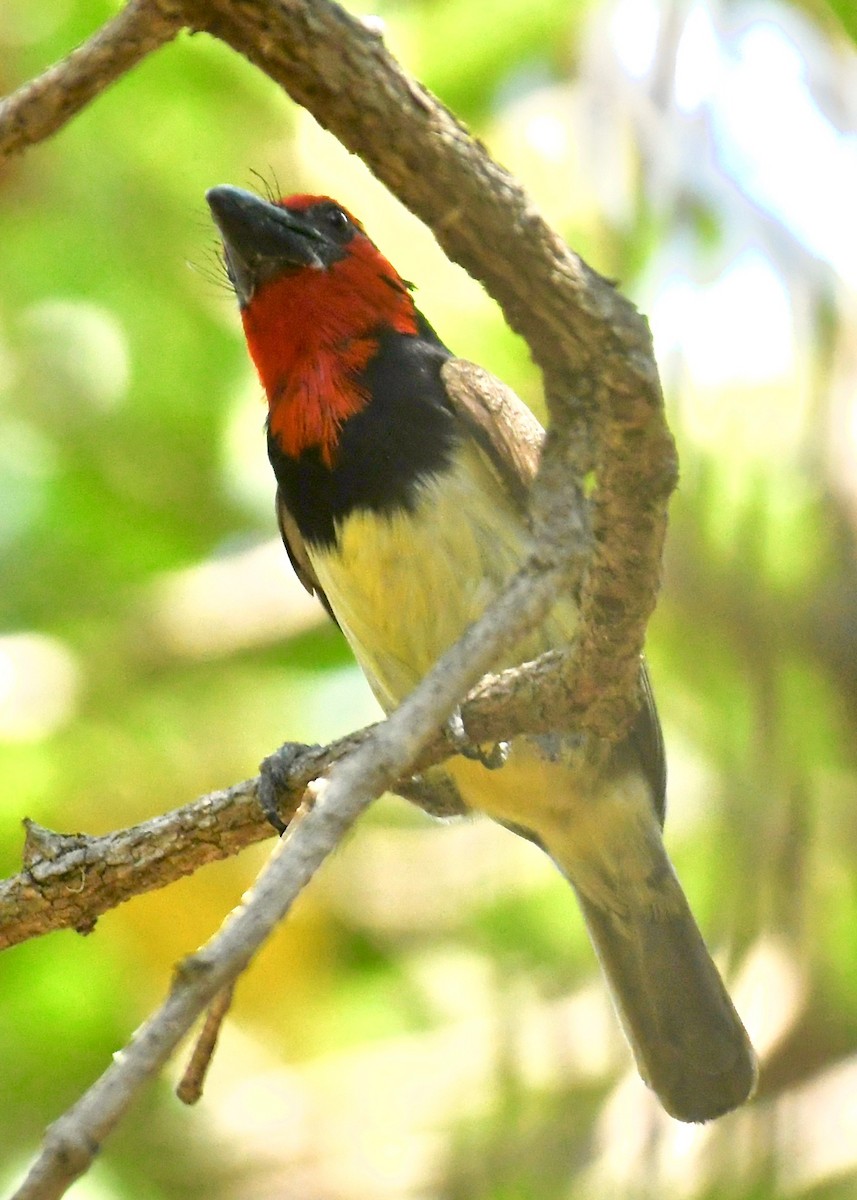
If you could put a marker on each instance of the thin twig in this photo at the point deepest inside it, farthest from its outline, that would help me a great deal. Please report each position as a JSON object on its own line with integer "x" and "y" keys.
{"x": 189, "y": 1088}
{"x": 42, "y": 106}
{"x": 595, "y": 349}
{"x": 603, "y": 390}
{"x": 69, "y": 881}
{"x": 71, "y": 1142}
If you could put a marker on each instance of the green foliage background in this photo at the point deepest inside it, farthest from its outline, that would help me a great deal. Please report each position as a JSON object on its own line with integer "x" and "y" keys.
{"x": 429, "y": 1023}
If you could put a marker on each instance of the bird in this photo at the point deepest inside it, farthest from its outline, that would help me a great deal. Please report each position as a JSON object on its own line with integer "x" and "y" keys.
{"x": 403, "y": 476}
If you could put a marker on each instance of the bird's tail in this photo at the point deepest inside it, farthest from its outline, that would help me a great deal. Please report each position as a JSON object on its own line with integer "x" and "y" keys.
{"x": 690, "y": 1045}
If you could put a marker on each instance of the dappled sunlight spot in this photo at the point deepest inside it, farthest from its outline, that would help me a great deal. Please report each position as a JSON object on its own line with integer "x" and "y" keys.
{"x": 39, "y": 686}
{"x": 637, "y": 1140}
{"x": 737, "y": 329}
{"x": 245, "y": 474}
{"x": 249, "y": 598}
{"x": 429, "y": 878}
{"x": 779, "y": 144}
{"x": 307, "y": 1127}
{"x": 852, "y": 431}
{"x": 79, "y": 350}
{"x": 28, "y": 461}
{"x": 841, "y": 440}
{"x": 548, "y": 134}
{"x": 635, "y": 1137}
{"x": 378, "y": 1165}
{"x": 262, "y": 1108}
{"x": 817, "y": 1130}
{"x": 698, "y": 65}
{"x": 382, "y": 1119}
{"x": 456, "y": 981}
{"x": 693, "y": 785}
{"x": 630, "y": 1136}
{"x": 551, "y": 1042}
{"x": 763, "y": 123}
{"x": 363, "y": 1122}
{"x": 634, "y": 29}
{"x": 770, "y": 992}
{"x": 572, "y": 1039}
{"x": 540, "y": 138}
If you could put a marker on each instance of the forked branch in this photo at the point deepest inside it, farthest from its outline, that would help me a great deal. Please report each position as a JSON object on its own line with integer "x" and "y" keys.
{"x": 607, "y": 424}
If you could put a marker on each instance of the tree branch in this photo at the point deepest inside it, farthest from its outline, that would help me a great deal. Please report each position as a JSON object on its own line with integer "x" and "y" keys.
{"x": 607, "y": 418}
{"x": 594, "y": 348}
{"x": 601, "y": 381}
{"x": 354, "y": 781}
{"x": 69, "y": 880}
{"x": 44, "y": 105}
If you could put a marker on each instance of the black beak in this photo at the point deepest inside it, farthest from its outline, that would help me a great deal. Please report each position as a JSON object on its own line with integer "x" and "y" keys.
{"x": 262, "y": 240}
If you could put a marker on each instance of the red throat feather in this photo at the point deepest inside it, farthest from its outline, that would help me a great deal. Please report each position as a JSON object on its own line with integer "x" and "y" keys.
{"x": 310, "y": 332}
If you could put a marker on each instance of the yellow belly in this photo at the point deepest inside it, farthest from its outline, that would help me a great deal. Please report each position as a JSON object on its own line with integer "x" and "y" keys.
{"x": 405, "y": 587}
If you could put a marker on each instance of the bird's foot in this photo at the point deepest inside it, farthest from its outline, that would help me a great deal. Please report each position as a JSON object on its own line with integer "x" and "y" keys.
{"x": 492, "y": 759}
{"x": 275, "y": 778}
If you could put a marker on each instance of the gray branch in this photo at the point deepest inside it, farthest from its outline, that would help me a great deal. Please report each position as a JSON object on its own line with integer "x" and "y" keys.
{"x": 607, "y": 419}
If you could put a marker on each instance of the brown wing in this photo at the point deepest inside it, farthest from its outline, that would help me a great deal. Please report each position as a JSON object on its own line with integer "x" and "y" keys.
{"x": 297, "y": 553}
{"x": 646, "y": 738}
{"x": 513, "y": 438}
{"x": 502, "y": 424}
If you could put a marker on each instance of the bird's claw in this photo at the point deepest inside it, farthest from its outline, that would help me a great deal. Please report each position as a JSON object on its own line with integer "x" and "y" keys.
{"x": 492, "y": 759}
{"x": 275, "y": 774}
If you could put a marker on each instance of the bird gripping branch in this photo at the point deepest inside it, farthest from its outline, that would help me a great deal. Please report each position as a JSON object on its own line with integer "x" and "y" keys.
{"x": 402, "y": 483}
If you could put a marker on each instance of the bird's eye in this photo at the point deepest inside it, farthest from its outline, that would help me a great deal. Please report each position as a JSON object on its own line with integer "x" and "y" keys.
{"x": 335, "y": 219}
{"x": 333, "y": 223}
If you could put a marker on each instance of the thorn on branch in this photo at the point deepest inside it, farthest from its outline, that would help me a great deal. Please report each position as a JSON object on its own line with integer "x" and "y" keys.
{"x": 46, "y": 845}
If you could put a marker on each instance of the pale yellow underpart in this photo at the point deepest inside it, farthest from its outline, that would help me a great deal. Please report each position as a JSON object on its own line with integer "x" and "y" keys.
{"x": 403, "y": 589}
